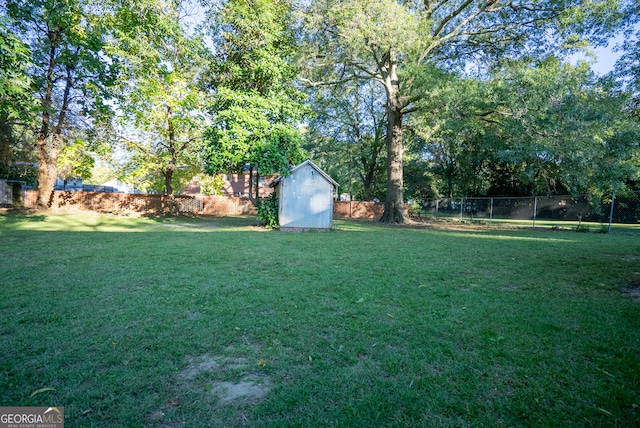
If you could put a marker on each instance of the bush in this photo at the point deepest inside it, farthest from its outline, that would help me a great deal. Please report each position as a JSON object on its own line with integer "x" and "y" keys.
{"x": 211, "y": 185}
{"x": 268, "y": 212}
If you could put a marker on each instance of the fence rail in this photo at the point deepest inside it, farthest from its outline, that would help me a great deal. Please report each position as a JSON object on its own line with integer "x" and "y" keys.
{"x": 538, "y": 209}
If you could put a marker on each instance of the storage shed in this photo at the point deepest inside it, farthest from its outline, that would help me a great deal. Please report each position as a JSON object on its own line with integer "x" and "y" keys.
{"x": 305, "y": 198}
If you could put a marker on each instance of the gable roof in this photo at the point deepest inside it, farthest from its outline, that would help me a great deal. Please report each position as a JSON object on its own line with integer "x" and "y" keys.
{"x": 302, "y": 165}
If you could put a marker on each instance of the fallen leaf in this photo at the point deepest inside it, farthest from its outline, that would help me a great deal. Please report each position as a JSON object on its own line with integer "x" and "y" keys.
{"x": 41, "y": 390}
{"x": 173, "y": 403}
{"x": 604, "y": 411}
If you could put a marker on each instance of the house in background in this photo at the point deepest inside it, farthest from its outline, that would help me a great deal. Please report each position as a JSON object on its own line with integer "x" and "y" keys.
{"x": 234, "y": 185}
{"x": 77, "y": 185}
{"x": 305, "y": 198}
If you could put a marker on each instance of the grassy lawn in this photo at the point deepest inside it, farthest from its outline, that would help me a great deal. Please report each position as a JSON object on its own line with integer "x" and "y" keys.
{"x": 204, "y": 322}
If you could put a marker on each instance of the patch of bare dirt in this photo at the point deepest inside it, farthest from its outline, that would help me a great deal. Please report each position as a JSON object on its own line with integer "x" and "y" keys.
{"x": 632, "y": 291}
{"x": 220, "y": 374}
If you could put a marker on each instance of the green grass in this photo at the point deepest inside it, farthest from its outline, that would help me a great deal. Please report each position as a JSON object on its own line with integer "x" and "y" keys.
{"x": 366, "y": 325}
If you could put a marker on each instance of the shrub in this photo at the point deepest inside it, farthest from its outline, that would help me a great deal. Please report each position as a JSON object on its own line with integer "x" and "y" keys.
{"x": 268, "y": 212}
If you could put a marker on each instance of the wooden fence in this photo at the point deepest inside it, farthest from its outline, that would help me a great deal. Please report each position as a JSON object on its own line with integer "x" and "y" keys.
{"x": 206, "y": 205}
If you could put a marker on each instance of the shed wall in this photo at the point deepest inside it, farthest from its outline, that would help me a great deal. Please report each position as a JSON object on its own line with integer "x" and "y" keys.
{"x": 6, "y": 193}
{"x": 306, "y": 200}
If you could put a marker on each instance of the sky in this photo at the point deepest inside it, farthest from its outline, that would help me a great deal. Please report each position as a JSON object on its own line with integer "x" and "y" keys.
{"x": 606, "y": 57}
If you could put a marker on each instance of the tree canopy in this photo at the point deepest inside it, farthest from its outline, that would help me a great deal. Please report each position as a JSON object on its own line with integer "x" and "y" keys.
{"x": 397, "y": 100}
{"x": 256, "y": 110}
{"x": 397, "y": 43}
{"x": 160, "y": 105}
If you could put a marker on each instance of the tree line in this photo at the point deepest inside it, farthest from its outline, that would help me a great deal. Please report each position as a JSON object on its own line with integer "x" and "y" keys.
{"x": 394, "y": 99}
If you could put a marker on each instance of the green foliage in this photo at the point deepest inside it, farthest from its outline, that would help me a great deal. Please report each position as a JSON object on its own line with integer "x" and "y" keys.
{"x": 397, "y": 44}
{"x": 268, "y": 211}
{"x": 69, "y": 75}
{"x": 76, "y": 161}
{"x": 16, "y": 97}
{"x": 211, "y": 184}
{"x": 161, "y": 104}
{"x": 346, "y": 136}
{"x": 535, "y": 127}
{"x": 256, "y": 108}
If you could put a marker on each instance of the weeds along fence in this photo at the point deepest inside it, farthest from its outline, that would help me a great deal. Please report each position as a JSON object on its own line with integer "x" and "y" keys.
{"x": 537, "y": 211}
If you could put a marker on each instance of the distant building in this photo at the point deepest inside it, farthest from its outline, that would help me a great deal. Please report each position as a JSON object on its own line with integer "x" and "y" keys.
{"x": 234, "y": 185}
{"x": 77, "y": 185}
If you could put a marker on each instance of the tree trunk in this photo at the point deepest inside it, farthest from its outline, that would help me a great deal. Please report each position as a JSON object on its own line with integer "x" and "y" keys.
{"x": 48, "y": 149}
{"x": 171, "y": 147}
{"x": 394, "y": 210}
{"x": 254, "y": 197}
{"x": 46, "y": 173}
{"x": 49, "y": 141}
{"x": 168, "y": 180}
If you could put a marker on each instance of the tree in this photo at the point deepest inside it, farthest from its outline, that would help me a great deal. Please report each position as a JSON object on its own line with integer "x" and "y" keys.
{"x": 346, "y": 136}
{"x": 535, "y": 127}
{"x": 75, "y": 160}
{"x": 256, "y": 109}
{"x": 393, "y": 43}
{"x": 627, "y": 68}
{"x": 65, "y": 39}
{"x": 16, "y": 99}
{"x": 161, "y": 106}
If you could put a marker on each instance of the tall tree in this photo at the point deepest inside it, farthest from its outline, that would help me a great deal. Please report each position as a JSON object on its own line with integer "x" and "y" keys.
{"x": 17, "y": 102}
{"x": 66, "y": 39}
{"x": 161, "y": 105}
{"x": 256, "y": 109}
{"x": 346, "y": 136}
{"x": 627, "y": 68}
{"x": 534, "y": 127}
{"x": 391, "y": 42}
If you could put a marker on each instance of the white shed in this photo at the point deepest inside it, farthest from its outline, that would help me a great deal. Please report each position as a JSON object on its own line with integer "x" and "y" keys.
{"x": 305, "y": 198}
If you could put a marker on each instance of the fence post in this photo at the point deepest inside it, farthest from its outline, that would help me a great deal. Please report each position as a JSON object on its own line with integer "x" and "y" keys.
{"x": 613, "y": 200}
{"x": 535, "y": 209}
{"x": 491, "y": 212}
{"x": 461, "y": 205}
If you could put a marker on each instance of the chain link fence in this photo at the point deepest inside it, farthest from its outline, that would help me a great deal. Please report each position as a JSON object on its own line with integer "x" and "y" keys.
{"x": 580, "y": 213}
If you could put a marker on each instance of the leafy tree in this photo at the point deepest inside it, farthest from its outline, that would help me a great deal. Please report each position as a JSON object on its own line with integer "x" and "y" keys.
{"x": 572, "y": 128}
{"x": 75, "y": 160}
{"x": 346, "y": 136}
{"x": 627, "y": 68}
{"x": 160, "y": 104}
{"x": 16, "y": 101}
{"x": 397, "y": 44}
{"x": 256, "y": 108}
{"x": 536, "y": 127}
{"x": 68, "y": 75}
{"x": 211, "y": 185}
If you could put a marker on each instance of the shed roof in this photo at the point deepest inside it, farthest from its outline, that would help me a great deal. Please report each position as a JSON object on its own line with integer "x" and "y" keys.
{"x": 275, "y": 182}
